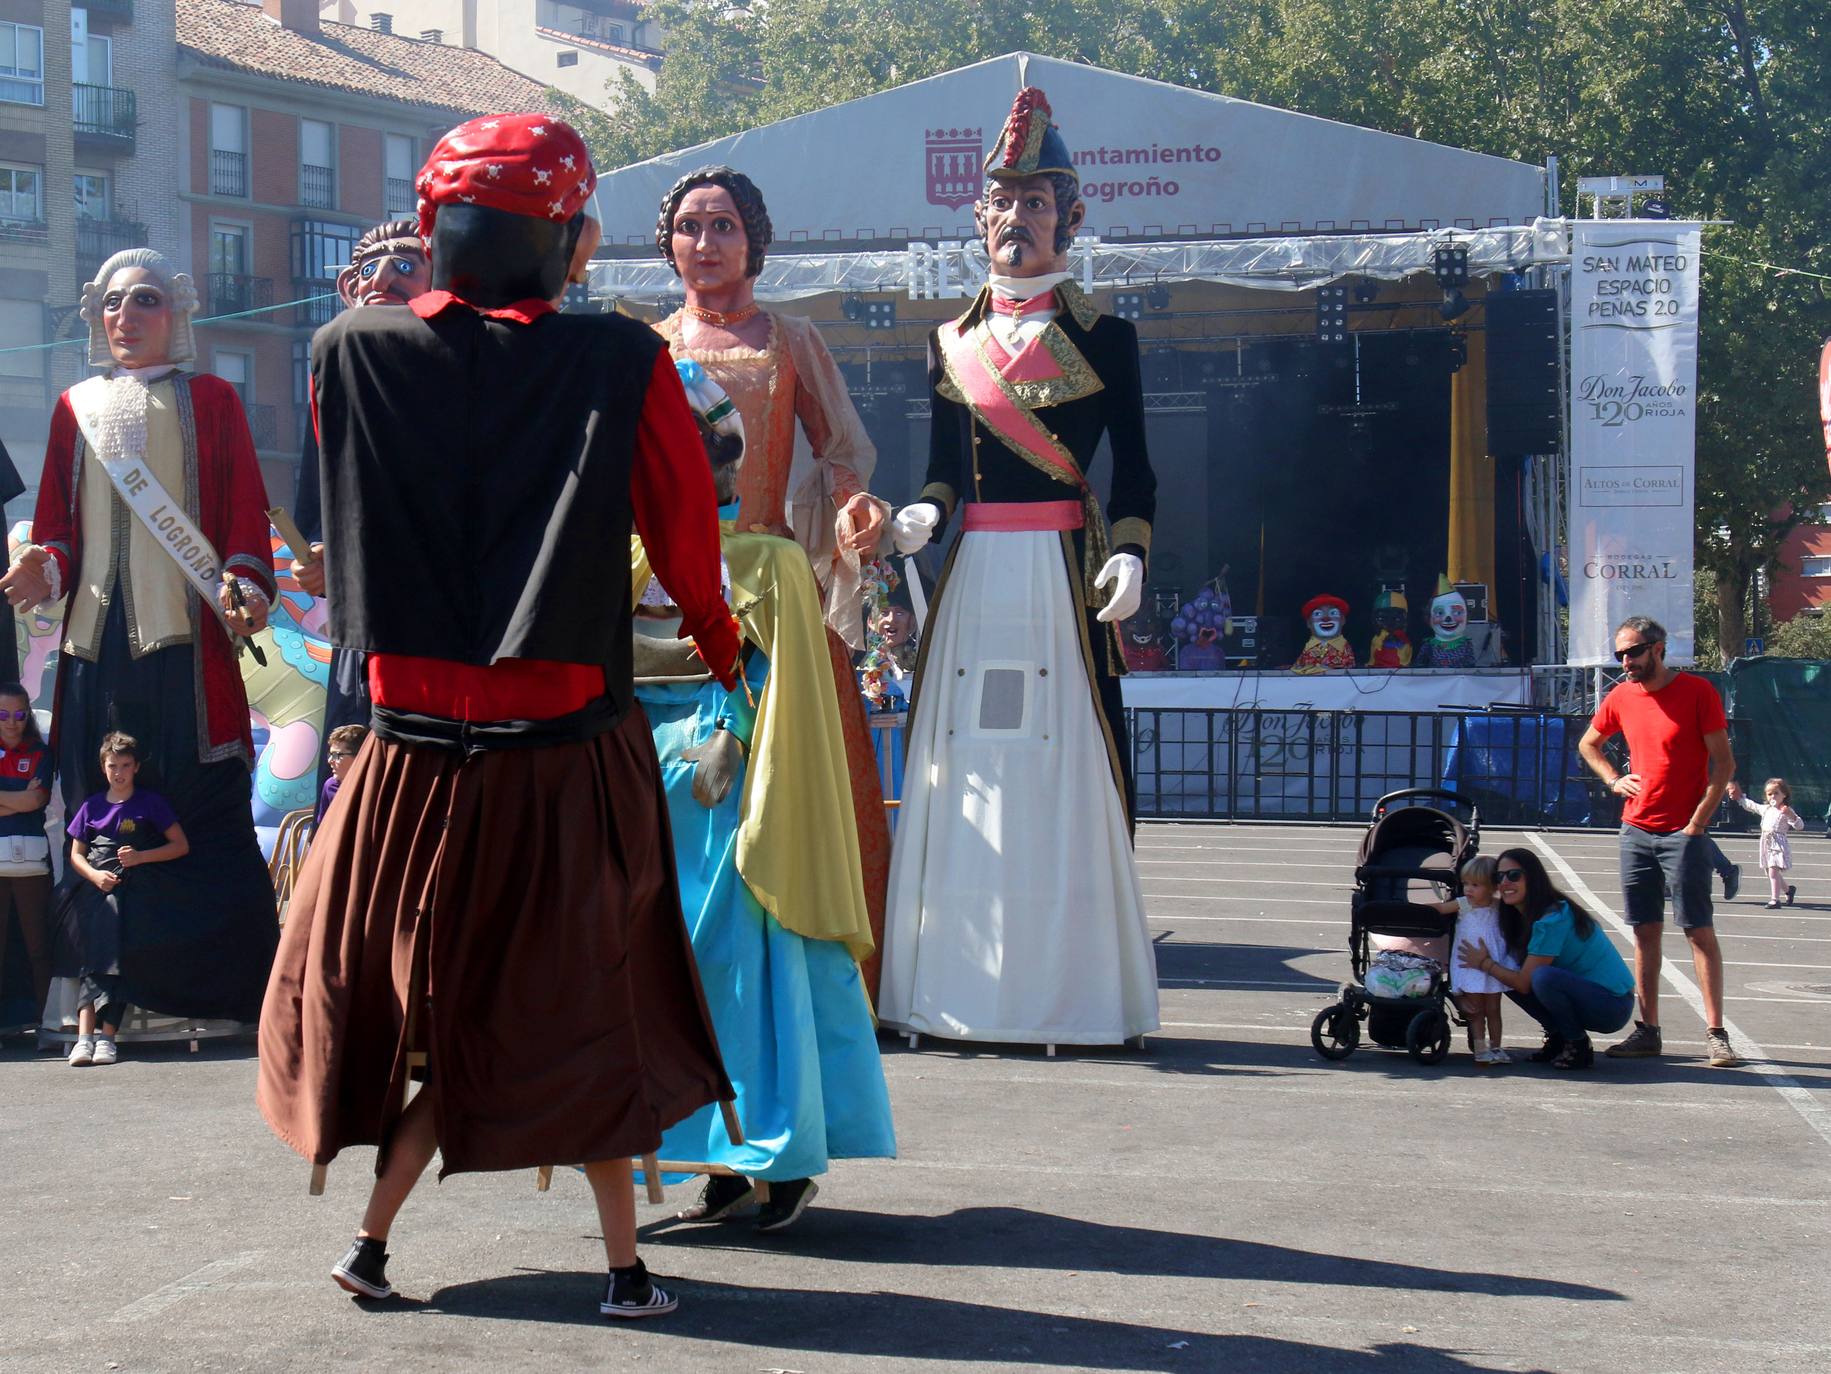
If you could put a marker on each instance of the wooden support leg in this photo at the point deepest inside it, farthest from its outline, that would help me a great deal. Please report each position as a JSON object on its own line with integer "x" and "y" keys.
{"x": 1051, "y": 1049}
{"x": 733, "y": 1130}
{"x": 762, "y": 1187}
{"x": 913, "y": 1037}
{"x": 543, "y": 1178}
{"x": 651, "y": 1176}
{"x": 317, "y": 1184}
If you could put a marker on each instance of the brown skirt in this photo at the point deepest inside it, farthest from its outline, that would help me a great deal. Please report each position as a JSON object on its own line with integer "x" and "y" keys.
{"x": 523, "y": 904}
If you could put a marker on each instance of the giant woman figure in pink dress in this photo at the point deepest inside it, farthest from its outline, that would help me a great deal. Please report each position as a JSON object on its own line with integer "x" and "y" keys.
{"x": 714, "y": 229}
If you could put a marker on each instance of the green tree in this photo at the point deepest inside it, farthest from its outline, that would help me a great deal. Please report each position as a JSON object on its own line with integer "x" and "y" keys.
{"x": 1730, "y": 99}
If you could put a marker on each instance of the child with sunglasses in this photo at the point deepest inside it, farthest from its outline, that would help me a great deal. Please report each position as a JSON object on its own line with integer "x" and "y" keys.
{"x": 1777, "y": 817}
{"x": 345, "y": 743}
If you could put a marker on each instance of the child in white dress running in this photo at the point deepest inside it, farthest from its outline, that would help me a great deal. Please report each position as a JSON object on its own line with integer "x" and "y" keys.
{"x": 1776, "y": 851}
{"x": 1479, "y": 918}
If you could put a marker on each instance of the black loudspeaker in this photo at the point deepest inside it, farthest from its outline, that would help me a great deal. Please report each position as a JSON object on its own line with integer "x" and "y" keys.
{"x": 1525, "y": 414}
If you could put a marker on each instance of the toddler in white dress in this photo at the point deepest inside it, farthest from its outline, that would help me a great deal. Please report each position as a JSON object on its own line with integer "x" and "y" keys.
{"x": 1478, "y": 918}
{"x": 1777, "y": 817}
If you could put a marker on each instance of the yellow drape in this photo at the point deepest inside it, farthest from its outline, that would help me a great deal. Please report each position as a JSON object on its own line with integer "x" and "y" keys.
{"x": 797, "y": 844}
{"x": 1471, "y": 556}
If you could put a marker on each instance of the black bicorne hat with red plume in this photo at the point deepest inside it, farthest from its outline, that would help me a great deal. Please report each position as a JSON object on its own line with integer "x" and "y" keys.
{"x": 1029, "y": 144}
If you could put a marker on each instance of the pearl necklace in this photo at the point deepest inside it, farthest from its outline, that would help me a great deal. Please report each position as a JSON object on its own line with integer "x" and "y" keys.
{"x": 721, "y": 318}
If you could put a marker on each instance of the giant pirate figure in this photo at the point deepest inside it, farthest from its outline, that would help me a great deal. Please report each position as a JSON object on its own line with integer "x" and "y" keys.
{"x": 1014, "y": 910}
{"x": 492, "y": 903}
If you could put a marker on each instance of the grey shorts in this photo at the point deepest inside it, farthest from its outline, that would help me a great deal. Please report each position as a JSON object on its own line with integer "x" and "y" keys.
{"x": 1655, "y": 865}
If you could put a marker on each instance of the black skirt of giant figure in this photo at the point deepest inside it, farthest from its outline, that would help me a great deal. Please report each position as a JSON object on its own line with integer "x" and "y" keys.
{"x": 198, "y": 933}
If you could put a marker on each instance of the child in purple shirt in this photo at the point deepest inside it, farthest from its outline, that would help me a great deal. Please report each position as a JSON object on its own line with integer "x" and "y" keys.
{"x": 111, "y": 834}
{"x": 345, "y": 743}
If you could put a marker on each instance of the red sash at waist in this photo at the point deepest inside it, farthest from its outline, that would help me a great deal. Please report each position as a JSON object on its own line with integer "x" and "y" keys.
{"x": 1017, "y": 517}
{"x": 509, "y": 689}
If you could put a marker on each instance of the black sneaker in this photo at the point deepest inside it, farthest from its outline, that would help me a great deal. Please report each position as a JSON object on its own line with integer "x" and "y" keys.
{"x": 364, "y": 1271}
{"x": 787, "y": 1201}
{"x": 1732, "y": 882}
{"x": 722, "y": 1195}
{"x": 1550, "y": 1050}
{"x": 1790, "y": 890}
{"x": 630, "y": 1293}
{"x": 1576, "y": 1054}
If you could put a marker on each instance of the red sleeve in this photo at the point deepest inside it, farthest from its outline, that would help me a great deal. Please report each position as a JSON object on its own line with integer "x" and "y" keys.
{"x": 677, "y": 516}
{"x": 1605, "y": 722}
{"x": 51, "y": 517}
{"x": 241, "y": 533}
{"x": 1711, "y": 716}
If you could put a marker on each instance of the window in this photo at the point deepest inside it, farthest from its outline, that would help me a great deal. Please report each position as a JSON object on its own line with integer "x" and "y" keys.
{"x": 237, "y": 369}
{"x": 613, "y": 33}
{"x": 22, "y": 322}
{"x": 569, "y": 58}
{"x": 91, "y": 54}
{"x": 320, "y": 247}
{"x": 228, "y": 150}
{"x": 228, "y": 250}
{"x": 1815, "y": 565}
{"x": 398, "y": 168}
{"x": 1824, "y": 514}
{"x": 20, "y": 197}
{"x": 92, "y": 198}
{"x": 317, "y": 164}
{"x": 22, "y": 64}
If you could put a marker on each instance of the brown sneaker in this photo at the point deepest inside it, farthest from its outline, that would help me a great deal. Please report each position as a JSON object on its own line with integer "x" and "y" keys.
{"x": 1721, "y": 1055}
{"x": 1642, "y": 1044}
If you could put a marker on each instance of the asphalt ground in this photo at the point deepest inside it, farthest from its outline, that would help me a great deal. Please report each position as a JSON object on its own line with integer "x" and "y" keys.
{"x": 1226, "y": 1200}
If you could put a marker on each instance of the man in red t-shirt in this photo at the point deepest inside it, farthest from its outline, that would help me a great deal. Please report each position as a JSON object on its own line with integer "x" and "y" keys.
{"x": 1679, "y": 763}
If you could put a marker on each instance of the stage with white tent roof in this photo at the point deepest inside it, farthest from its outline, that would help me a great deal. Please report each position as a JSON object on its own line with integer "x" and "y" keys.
{"x": 1298, "y": 464}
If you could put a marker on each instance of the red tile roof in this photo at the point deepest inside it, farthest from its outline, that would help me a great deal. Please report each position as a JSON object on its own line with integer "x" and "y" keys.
{"x": 237, "y": 36}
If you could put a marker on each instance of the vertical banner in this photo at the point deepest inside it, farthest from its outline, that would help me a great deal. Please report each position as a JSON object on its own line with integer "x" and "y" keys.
{"x": 1633, "y": 417}
{"x": 1824, "y": 395}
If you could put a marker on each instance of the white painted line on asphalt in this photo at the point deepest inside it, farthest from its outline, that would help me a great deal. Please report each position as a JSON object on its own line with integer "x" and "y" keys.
{"x": 1325, "y": 989}
{"x": 1305, "y": 1033}
{"x": 1339, "y": 903}
{"x": 1335, "y": 885}
{"x": 1728, "y": 963}
{"x": 1268, "y": 921}
{"x": 178, "y": 1290}
{"x": 1797, "y": 1097}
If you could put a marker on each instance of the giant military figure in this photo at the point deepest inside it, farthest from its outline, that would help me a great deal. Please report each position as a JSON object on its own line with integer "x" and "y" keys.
{"x": 1014, "y": 911}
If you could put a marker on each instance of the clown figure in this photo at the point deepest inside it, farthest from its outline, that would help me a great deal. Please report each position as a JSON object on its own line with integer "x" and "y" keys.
{"x": 1328, "y": 648}
{"x": 1391, "y": 646}
{"x": 1448, "y": 645}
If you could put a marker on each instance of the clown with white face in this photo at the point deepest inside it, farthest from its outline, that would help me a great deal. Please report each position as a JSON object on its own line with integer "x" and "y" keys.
{"x": 1448, "y": 645}
{"x": 1327, "y": 617}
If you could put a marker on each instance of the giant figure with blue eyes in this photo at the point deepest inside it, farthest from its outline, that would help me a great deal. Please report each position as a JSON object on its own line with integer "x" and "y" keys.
{"x": 388, "y": 266}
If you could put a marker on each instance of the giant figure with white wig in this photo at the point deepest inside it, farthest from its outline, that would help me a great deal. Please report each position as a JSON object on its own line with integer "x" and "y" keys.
{"x": 151, "y": 533}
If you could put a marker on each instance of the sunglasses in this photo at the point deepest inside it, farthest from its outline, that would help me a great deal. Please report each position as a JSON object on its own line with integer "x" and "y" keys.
{"x": 1632, "y": 651}
{"x": 1509, "y": 875}
{"x": 15, "y": 715}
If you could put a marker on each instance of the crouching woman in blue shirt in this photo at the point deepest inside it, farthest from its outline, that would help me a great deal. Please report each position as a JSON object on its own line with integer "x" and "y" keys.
{"x": 1572, "y": 980}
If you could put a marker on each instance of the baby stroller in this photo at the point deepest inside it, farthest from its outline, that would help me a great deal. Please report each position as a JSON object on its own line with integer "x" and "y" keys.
{"x": 1412, "y": 842}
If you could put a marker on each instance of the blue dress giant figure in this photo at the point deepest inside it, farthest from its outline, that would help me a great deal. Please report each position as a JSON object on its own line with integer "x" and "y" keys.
{"x": 766, "y": 849}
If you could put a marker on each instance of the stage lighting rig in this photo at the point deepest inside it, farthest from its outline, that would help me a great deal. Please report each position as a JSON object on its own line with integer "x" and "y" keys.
{"x": 1157, "y": 296}
{"x": 1366, "y": 291}
{"x": 1332, "y": 314}
{"x": 1128, "y": 305}
{"x": 1455, "y": 304}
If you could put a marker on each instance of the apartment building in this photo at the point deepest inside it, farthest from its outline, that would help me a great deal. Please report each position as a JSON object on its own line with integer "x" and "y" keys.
{"x": 88, "y": 162}
{"x": 577, "y": 46}
{"x": 297, "y": 136}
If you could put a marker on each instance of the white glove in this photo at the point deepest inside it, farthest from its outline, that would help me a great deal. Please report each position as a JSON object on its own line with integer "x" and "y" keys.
{"x": 913, "y": 526}
{"x": 1127, "y": 570}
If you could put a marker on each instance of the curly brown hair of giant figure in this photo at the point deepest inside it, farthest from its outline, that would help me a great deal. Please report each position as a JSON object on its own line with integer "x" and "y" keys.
{"x": 750, "y": 208}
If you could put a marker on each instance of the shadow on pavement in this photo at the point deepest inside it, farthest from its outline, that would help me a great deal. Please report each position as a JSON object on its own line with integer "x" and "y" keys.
{"x": 1015, "y": 1238}
{"x": 910, "y": 1327}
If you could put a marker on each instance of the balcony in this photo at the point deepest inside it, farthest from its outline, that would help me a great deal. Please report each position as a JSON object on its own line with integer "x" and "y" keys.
{"x": 98, "y": 240}
{"x": 107, "y": 117}
{"x": 23, "y": 231}
{"x": 264, "y": 425}
{"x": 228, "y": 173}
{"x": 231, "y": 293}
{"x": 313, "y": 313}
{"x": 318, "y": 187}
{"x": 398, "y": 198}
{"x": 120, "y": 11}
